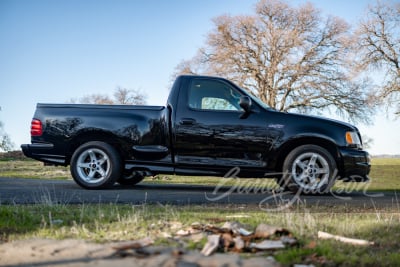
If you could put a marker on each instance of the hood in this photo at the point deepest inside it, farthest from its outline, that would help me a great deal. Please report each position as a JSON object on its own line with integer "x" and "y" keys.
{"x": 309, "y": 123}
{"x": 323, "y": 120}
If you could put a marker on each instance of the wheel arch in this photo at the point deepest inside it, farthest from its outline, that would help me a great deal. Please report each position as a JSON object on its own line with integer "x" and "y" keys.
{"x": 325, "y": 143}
{"x": 94, "y": 135}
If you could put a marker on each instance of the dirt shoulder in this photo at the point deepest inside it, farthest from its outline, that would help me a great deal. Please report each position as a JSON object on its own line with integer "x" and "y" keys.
{"x": 71, "y": 252}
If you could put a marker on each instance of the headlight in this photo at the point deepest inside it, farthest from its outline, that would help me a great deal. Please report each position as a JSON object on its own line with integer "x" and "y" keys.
{"x": 353, "y": 139}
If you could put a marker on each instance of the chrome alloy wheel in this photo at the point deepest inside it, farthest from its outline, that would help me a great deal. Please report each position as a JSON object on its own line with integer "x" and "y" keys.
{"x": 93, "y": 165}
{"x": 310, "y": 171}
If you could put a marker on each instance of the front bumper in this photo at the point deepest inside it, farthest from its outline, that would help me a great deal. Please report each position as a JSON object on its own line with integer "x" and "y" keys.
{"x": 356, "y": 165}
{"x": 43, "y": 152}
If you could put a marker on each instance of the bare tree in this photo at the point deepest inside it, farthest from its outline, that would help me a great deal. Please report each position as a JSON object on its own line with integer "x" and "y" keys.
{"x": 129, "y": 97}
{"x": 379, "y": 47}
{"x": 96, "y": 99}
{"x": 5, "y": 142}
{"x": 121, "y": 96}
{"x": 290, "y": 57}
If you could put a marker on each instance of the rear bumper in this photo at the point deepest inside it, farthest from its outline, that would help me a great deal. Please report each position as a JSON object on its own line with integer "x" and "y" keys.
{"x": 356, "y": 165}
{"x": 42, "y": 152}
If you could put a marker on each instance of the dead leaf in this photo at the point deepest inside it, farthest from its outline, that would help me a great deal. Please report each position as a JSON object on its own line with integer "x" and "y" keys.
{"x": 312, "y": 244}
{"x": 227, "y": 241}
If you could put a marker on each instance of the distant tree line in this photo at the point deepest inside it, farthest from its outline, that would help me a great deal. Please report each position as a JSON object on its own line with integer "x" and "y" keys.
{"x": 5, "y": 142}
{"x": 121, "y": 96}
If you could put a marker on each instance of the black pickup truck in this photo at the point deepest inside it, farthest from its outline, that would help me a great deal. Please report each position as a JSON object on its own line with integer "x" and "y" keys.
{"x": 208, "y": 127}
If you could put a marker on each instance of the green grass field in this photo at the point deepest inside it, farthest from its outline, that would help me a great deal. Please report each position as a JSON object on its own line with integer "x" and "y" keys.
{"x": 385, "y": 174}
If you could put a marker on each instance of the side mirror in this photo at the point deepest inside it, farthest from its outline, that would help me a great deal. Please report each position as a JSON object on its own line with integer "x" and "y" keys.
{"x": 245, "y": 103}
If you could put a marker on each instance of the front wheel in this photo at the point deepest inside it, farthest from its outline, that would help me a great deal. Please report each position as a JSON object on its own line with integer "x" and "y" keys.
{"x": 308, "y": 169}
{"x": 96, "y": 165}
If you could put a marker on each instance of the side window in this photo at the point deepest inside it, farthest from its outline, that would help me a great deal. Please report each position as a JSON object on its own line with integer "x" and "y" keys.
{"x": 216, "y": 104}
{"x": 213, "y": 95}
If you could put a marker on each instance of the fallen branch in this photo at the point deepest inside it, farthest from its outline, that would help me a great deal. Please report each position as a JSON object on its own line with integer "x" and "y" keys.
{"x": 353, "y": 241}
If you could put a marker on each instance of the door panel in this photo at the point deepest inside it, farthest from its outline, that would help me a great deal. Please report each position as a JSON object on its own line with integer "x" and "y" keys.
{"x": 210, "y": 133}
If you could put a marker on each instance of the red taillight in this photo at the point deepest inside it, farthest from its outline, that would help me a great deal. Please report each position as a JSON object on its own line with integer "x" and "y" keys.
{"x": 36, "y": 128}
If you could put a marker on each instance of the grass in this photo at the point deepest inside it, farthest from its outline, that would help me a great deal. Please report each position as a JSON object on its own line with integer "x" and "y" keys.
{"x": 32, "y": 169}
{"x": 103, "y": 223}
{"x": 385, "y": 174}
{"x": 111, "y": 222}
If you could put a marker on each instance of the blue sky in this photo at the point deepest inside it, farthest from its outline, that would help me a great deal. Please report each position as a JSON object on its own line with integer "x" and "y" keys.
{"x": 55, "y": 50}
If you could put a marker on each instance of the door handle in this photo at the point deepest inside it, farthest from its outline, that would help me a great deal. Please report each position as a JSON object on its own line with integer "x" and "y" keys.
{"x": 187, "y": 121}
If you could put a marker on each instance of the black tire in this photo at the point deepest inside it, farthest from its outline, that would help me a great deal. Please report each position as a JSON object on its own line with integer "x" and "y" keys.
{"x": 308, "y": 169}
{"x": 96, "y": 165}
{"x": 131, "y": 178}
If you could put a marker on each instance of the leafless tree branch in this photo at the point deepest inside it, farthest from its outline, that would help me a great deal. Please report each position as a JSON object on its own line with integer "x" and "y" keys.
{"x": 290, "y": 57}
{"x": 379, "y": 48}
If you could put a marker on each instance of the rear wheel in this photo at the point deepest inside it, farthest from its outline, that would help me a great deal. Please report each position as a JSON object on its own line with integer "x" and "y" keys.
{"x": 96, "y": 165}
{"x": 308, "y": 169}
